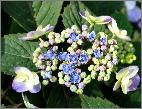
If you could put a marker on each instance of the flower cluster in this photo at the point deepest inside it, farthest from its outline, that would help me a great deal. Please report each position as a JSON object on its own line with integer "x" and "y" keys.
{"x": 99, "y": 51}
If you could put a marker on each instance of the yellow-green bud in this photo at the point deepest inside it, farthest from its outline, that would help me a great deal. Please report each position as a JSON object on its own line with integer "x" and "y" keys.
{"x": 93, "y": 74}
{"x": 60, "y": 74}
{"x": 38, "y": 63}
{"x": 107, "y": 77}
{"x": 53, "y": 67}
{"x": 83, "y": 75}
{"x": 87, "y": 79}
{"x": 61, "y": 81}
{"x": 35, "y": 59}
{"x": 46, "y": 44}
{"x": 96, "y": 61}
{"x": 45, "y": 82}
{"x": 67, "y": 78}
{"x": 91, "y": 67}
{"x": 48, "y": 68}
{"x": 89, "y": 51}
{"x": 70, "y": 49}
{"x": 79, "y": 42}
{"x": 42, "y": 73}
{"x": 73, "y": 88}
{"x": 53, "y": 79}
{"x": 79, "y": 91}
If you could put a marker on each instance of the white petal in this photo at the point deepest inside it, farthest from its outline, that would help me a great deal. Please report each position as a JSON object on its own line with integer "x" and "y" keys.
{"x": 117, "y": 85}
{"x": 132, "y": 71}
{"x": 123, "y": 72}
{"x": 39, "y": 28}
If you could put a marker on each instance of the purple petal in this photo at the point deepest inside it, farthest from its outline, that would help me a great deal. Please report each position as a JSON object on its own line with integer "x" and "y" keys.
{"x": 135, "y": 83}
{"x": 134, "y": 15}
{"x": 82, "y": 13}
{"x": 19, "y": 86}
{"x": 36, "y": 88}
{"x": 107, "y": 19}
{"x": 139, "y": 24}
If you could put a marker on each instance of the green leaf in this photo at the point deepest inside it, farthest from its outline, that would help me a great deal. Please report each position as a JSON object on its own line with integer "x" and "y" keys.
{"x": 15, "y": 28}
{"x": 21, "y": 12}
{"x": 57, "y": 97}
{"x": 71, "y": 14}
{"x": 91, "y": 102}
{"x": 16, "y": 52}
{"x": 92, "y": 89}
{"x": 133, "y": 99}
{"x": 74, "y": 101}
{"x": 100, "y": 8}
{"x": 36, "y": 6}
{"x": 49, "y": 12}
{"x": 122, "y": 21}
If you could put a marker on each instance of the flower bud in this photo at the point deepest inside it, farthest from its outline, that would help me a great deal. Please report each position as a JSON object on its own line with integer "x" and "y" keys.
{"x": 45, "y": 82}
{"x": 83, "y": 75}
{"x": 73, "y": 88}
{"x": 61, "y": 81}
{"x": 67, "y": 78}
{"x": 53, "y": 79}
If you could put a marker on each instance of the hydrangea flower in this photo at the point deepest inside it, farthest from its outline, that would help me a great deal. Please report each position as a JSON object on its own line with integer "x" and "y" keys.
{"x": 128, "y": 79}
{"x": 49, "y": 55}
{"x": 26, "y": 80}
{"x": 74, "y": 37}
{"x": 73, "y": 58}
{"x": 38, "y": 33}
{"x": 103, "y": 41}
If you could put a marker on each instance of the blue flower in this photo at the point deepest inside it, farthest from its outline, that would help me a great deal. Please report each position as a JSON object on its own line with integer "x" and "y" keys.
{"x": 103, "y": 41}
{"x": 49, "y": 55}
{"x": 92, "y": 36}
{"x": 84, "y": 58}
{"x": 74, "y": 37}
{"x": 48, "y": 75}
{"x": 98, "y": 53}
{"x": 73, "y": 58}
{"x": 62, "y": 56}
{"x": 67, "y": 68}
{"x": 75, "y": 77}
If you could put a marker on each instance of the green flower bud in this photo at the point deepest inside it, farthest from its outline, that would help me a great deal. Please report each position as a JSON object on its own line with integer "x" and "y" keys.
{"x": 38, "y": 50}
{"x": 107, "y": 77}
{"x": 60, "y": 74}
{"x": 87, "y": 79}
{"x": 102, "y": 74}
{"x": 73, "y": 88}
{"x": 109, "y": 64}
{"x": 67, "y": 78}
{"x": 70, "y": 49}
{"x": 48, "y": 68}
{"x": 45, "y": 82}
{"x": 90, "y": 51}
{"x": 79, "y": 91}
{"x": 79, "y": 42}
{"x": 83, "y": 75}
{"x": 61, "y": 81}
{"x": 91, "y": 67}
{"x": 35, "y": 60}
{"x": 46, "y": 44}
{"x": 53, "y": 79}
{"x": 111, "y": 49}
{"x": 103, "y": 61}
{"x": 51, "y": 35}
{"x": 38, "y": 63}
{"x": 96, "y": 61}
{"x": 53, "y": 67}
{"x": 42, "y": 73}
{"x": 57, "y": 40}
{"x": 93, "y": 74}
{"x": 74, "y": 45}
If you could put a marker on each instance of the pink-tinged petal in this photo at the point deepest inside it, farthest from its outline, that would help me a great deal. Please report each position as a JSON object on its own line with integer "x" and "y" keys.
{"x": 19, "y": 86}
{"x": 103, "y": 19}
{"x": 36, "y": 88}
{"x": 48, "y": 28}
{"x": 32, "y": 35}
{"x": 135, "y": 82}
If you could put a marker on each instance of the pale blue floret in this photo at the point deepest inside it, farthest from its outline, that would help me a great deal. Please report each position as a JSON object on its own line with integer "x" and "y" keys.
{"x": 92, "y": 36}
{"x": 62, "y": 56}
{"x": 84, "y": 58}
{"x": 75, "y": 77}
{"x": 74, "y": 37}
{"x": 73, "y": 58}
{"x": 48, "y": 75}
{"x": 67, "y": 68}
{"x": 103, "y": 41}
{"x": 49, "y": 55}
{"x": 98, "y": 53}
